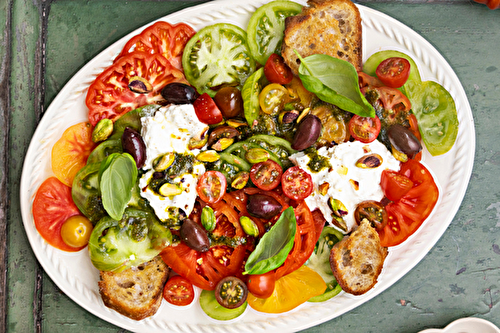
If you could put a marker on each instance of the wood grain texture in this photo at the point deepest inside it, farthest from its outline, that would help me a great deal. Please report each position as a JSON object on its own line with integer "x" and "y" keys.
{"x": 47, "y": 42}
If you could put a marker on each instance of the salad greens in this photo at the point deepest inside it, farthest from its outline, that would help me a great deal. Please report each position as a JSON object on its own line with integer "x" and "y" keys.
{"x": 274, "y": 246}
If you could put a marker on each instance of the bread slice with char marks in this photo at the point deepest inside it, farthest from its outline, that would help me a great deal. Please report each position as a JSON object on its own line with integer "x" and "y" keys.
{"x": 136, "y": 292}
{"x": 331, "y": 27}
{"x": 357, "y": 260}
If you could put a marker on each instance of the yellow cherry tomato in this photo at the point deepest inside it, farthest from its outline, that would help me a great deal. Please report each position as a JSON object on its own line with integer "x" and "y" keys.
{"x": 285, "y": 296}
{"x": 272, "y": 98}
{"x": 76, "y": 231}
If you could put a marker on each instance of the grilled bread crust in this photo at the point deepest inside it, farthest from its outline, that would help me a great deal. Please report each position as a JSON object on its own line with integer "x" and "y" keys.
{"x": 357, "y": 260}
{"x": 331, "y": 27}
{"x": 137, "y": 291}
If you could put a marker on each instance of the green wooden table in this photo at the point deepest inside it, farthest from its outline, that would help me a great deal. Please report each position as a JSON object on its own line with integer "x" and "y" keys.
{"x": 44, "y": 43}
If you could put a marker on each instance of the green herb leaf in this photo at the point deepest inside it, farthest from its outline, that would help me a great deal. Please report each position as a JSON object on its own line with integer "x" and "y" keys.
{"x": 334, "y": 81}
{"x": 274, "y": 246}
{"x": 118, "y": 175}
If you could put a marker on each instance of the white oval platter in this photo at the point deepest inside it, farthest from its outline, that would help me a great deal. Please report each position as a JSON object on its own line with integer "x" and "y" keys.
{"x": 73, "y": 272}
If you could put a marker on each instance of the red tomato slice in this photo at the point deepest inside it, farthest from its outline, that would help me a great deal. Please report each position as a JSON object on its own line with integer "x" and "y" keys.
{"x": 178, "y": 291}
{"x": 395, "y": 185}
{"x": 211, "y": 186}
{"x": 393, "y": 72}
{"x": 71, "y": 151}
{"x": 366, "y": 80}
{"x": 109, "y": 96}
{"x": 364, "y": 129}
{"x": 206, "y": 110}
{"x": 407, "y": 214}
{"x": 296, "y": 183}
{"x": 305, "y": 240}
{"x": 393, "y": 99}
{"x": 266, "y": 175}
{"x": 161, "y": 38}
{"x": 52, "y": 206}
{"x": 276, "y": 71}
{"x": 206, "y": 269}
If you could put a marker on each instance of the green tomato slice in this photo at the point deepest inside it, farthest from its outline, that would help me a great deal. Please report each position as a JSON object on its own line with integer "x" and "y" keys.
{"x": 250, "y": 94}
{"x": 214, "y": 310}
{"x": 217, "y": 56}
{"x": 266, "y": 27}
{"x": 372, "y": 63}
{"x": 436, "y": 115}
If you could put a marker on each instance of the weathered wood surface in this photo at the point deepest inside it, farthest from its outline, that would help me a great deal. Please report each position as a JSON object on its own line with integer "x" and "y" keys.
{"x": 44, "y": 43}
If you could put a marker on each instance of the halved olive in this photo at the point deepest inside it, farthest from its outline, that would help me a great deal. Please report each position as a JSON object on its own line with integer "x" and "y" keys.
{"x": 231, "y": 292}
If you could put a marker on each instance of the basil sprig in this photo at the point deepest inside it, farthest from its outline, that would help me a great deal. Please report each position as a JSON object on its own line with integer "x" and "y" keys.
{"x": 117, "y": 177}
{"x": 334, "y": 81}
{"x": 274, "y": 246}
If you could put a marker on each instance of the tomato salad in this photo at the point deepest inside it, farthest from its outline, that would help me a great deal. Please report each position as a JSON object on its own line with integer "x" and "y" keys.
{"x": 249, "y": 235}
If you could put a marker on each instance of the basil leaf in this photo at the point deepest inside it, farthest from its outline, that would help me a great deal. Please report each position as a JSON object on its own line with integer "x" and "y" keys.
{"x": 274, "y": 246}
{"x": 118, "y": 175}
{"x": 334, "y": 81}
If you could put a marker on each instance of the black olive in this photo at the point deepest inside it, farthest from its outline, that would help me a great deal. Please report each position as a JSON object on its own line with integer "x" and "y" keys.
{"x": 263, "y": 206}
{"x": 307, "y": 133}
{"x": 194, "y": 236}
{"x": 133, "y": 144}
{"x": 231, "y": 292}
{"x": 179, "y": 93}
{"x": 404, "y": 140}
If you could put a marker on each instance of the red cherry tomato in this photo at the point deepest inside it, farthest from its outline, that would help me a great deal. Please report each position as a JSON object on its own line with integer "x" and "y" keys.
{"x": 395, "y": 185}
{"x": 262, "y": 285}
{"x": 296, "y": 183}
{"x": 276, "y": 71}
{"x": 364, "y": 129}
{"x": 492, "y": 4}
{"x": 178, "y": 291}
{"x": 206, "y": 110}
{"x": 393, "y": 72}
{"x": 266, "y": 175}
{"x": 211, "y": 186}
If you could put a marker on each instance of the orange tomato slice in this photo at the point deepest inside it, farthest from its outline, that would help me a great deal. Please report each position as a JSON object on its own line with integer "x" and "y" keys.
{"x": 290, "y": 291}
{"x": 71, "y": 151}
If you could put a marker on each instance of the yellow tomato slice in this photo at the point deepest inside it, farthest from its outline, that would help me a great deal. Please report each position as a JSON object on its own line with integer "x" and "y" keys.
{"x": 71, "y": 151}
{"x": 290, "y": 291}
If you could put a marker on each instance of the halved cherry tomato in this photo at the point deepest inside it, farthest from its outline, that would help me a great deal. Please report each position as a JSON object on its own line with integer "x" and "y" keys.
{"x": 393, "y": 72}
{"x": 206, "y": 110}
{"x": 162, "y": 38}
{"x": 272, "y": 98}
{"x": 52, "y": 206}
{"x": 206, "y": 269}
{"x": 373, "y": 211}
{"x": 109, "y": 96}
{"x": 211, "y": 186}
{"x": 70, "y": 152}
{"x": 262, "y": 285}
{"x": 305, "y": 240}
{"x": 178, "y": 291}
{"x": 364, "y": 129}
{"x": 395, "y": 185}
{"x": 266, "y": 175}
{"x": 231, "y": 292}
{"x": 296, "y": 183}
{"x": 290, "y": 291}
{"x": 276, "y": 71}
{"x": 407, "y": 214}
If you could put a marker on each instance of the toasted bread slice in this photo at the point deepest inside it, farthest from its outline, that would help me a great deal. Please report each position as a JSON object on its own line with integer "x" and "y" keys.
{"x": 357, "y": 260}
{"x": 137, "y": 291}
{"x": 330, "y": 27}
